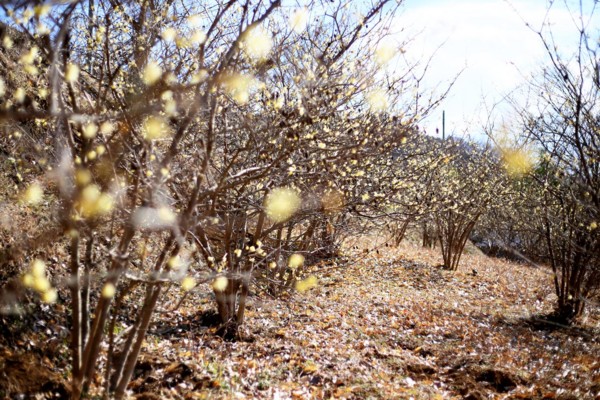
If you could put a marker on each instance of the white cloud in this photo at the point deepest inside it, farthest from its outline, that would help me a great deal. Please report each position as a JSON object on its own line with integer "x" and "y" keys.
{"x": 487, "y": 38}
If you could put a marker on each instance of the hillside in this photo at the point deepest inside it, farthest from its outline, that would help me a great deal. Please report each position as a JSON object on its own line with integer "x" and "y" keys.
{"x": 382, "y": 324}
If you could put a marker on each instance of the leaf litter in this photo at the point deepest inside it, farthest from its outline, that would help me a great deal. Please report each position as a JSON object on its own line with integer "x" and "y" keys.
{"x": 382, "y": 323}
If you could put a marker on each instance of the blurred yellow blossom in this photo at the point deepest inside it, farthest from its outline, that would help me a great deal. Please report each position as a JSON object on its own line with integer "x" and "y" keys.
{"x": 155, "y": 127}
{"x": 282, "y": 203}
{"x": 166, "y": 215}
{"x": 306, "y": 284}
{"x": 517, "y": 161}
{"x": 220, "y": 284}
{"x": 151, "y": 73}
{"x": 82, "y": 177}
{"x": 108, "y": 291}
{"x": 34, "y": 194}
{"x": 175, "y": 262}
{"x": 49, "y": 296}
{"x": 296, "y": 260}
{"x": 90, "y": 130}
{"x": 107, "y": 127}
{"x": 238, "y": 86}
{"x": 38, "y": 268}
{"x": 169, "y": 34}
{"x": 198, "y": 37}
{"x": 188, "y": 283}
{"x": 7, "y": 42}
{"x": 41, "y": 10}
{"x": 71, "y": 73}
{"x": 29, "y": 57}
{"x": 19, "y": 95}
{"x": 298, "y": 20}
{"x": 257, "y": 43}
{"x": 377, "y": 100}
{"x": 384, "y": 53}
{"x": 37, "y": 280}
{"x": 92, "y": 202}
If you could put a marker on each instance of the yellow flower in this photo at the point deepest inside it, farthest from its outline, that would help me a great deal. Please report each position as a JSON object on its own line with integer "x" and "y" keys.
{"x": 169, "y": 34}
{"x": 90, "y": 130}
{"x": 28, "y": 280}
{"x": 92, "y": 202}
{"x": 298, "y": 20}
{"x": 41, "y": 284}
{"x": 175, "y": 262}
{"x": 166, "y": 216}
{"x": 7, "y": 42}
{"x": 38, "y": 268}
{"x": 41, "y": 10}
{"x": 281, "y": 204}
{"x": 49, "y": 296}
{"x": 296, "y": 260}
{"x": 198, "y": 37}
{"x": 188, "y": 283}
{"x": 257, "y": 43}
{"x": 20, "y": 95}
{"x": 34, "y": 194}
{"x": 384, "y": 53}
{"x": 108, "y": 291}
{"x": 29, "y": 57}
{"x": 306, "y": 284}
{"x": 152, "y": 72}
{"x": 83, "y": 177}
{"x": 220, "y": 284}
{"x": 517, "y": 161}
{"x": 107, "y": 127}
{"x": 91, "y": 155}
{"x": 238, "y": 86}
{"x": 377, "y": 100}
{"x": 71, "y": 73}
{"x": 155, "y": 127}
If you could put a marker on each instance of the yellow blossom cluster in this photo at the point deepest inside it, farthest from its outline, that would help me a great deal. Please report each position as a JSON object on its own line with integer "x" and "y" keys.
{"x": 92, "y": 202}
{"x": 307, "y": 284}
{"x": 36, "y": 279}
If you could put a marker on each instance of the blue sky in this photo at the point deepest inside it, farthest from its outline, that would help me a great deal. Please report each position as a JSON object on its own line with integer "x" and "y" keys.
{"x": 489, "y": 39}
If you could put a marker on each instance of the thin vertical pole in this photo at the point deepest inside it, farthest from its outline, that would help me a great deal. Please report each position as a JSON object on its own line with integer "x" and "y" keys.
{"x": 444, "y": 125}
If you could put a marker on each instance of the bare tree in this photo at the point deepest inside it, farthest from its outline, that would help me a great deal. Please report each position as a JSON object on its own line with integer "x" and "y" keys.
{"x": 561, "y": 122}
{"x": 221, "y": 143}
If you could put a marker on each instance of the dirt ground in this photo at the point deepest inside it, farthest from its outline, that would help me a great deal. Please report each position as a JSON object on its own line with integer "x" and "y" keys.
{"x": 383, "y": 323}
